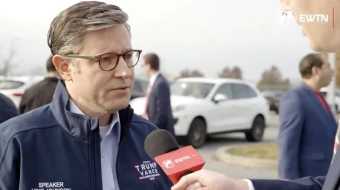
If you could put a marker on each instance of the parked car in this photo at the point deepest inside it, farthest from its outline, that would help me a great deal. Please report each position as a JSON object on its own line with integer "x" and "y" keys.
{"x": 139, "y": 88}
{"x": 203, "y": 107}
{"x": 14, "y": 87}
{"x": 273, "y": 98}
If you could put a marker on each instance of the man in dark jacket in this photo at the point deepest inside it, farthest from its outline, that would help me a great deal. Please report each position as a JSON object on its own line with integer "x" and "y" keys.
{"x": 88, "y": 137}
{"x": 7, "y": 108}
{"x": 306, "y": 121}
{"x": 158, "y": 104}
{"x": 42, "y": 92}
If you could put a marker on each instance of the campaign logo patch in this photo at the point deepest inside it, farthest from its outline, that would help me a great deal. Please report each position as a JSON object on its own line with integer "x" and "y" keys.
{"x": 145, "y": 171}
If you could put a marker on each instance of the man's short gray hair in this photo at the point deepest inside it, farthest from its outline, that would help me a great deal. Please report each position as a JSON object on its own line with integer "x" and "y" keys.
{"x": 67, "y": 29}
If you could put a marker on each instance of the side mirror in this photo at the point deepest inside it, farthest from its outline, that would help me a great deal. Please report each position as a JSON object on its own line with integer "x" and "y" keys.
{"x": 219, "y": 98}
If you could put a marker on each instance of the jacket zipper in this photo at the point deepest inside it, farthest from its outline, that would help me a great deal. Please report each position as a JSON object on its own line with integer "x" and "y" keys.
{"x": 92, "y": 158}
{"x": 118, "y": 176}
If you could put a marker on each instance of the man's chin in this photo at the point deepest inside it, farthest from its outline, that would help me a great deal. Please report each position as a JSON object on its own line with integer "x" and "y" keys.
{"x": 117, "y": 105}
{"x": 322, "y": 45}
{"x": 316, "y": 47}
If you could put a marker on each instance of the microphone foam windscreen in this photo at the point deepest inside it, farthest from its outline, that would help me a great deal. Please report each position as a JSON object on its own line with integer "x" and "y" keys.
{"x": 159, "y": 142}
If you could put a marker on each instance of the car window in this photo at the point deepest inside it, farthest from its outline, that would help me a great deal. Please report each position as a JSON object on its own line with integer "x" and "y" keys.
{"x": 241, "y": 91}
{"x": 10, "y": 84}
{"x": 226, "y": 90}
{"x": 192, "y": 89}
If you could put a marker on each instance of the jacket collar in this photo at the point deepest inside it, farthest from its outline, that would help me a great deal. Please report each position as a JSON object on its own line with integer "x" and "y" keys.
{"x": 79, "y": 125}
{"x": 312, "y": 94}
{"x": 154, "y": 77}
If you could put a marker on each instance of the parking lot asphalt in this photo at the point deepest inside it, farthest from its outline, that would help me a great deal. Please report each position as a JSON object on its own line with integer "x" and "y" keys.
{"x": 208, "y": 150}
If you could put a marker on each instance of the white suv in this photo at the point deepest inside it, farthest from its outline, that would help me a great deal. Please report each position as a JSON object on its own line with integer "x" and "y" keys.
{"x": 204, "y": 106}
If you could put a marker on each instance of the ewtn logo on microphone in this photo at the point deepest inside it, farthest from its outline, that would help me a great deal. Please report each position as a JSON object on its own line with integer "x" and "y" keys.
{"x": 286, "y": 18}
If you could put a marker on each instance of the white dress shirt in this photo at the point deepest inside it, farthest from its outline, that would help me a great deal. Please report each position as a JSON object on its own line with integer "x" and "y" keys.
{"x": 250, "y": 184}
{"x": 153, "y": 78}
{"x": 151, "y": 81}
{"x": 110, "y": 135}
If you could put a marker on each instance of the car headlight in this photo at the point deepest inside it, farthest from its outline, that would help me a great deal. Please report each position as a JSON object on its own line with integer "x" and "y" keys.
{"x": 179, "y": 108}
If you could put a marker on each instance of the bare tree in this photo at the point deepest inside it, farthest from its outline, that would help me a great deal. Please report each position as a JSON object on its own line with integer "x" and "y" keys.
{"x": 6, "y": 68}
{"x": 225, "y": 73}
{"x": 272, "y": 79}
{"x": 8, "y": 62}
{"x": 190, "y": 73}
{"x": 235, "y": 73}
{"x": 197, "y": 73}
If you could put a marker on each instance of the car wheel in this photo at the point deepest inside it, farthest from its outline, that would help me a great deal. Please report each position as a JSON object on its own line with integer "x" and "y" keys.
{"x": 197, "y": 133}
{"x": 256, "y": 132}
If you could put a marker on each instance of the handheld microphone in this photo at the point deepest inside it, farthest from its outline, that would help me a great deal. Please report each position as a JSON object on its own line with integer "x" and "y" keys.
{"x": 174, "y": 161}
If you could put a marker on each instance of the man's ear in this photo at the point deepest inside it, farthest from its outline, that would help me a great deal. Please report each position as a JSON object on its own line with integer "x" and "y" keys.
{"x": 146, "y": 64}
{"x": 315, "y": 71}
{"x": 62, "y": 65}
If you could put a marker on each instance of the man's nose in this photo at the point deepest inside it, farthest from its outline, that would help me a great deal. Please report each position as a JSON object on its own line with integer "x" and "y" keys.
{"x": 122, "y": 70}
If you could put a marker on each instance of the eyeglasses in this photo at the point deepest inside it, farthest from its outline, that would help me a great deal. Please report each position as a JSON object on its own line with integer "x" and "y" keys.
{"x": 109, "y": 61}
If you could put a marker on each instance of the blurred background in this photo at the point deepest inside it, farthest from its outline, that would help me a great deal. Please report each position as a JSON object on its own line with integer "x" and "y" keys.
{"x": 194, "y": 38}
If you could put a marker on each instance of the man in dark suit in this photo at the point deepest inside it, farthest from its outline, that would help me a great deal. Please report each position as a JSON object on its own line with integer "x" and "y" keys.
{"x": 307, "y": 125}
{"x": 158, "y": 104}
{"x": 42, "y": 92}
{"x": 323, "y": 37}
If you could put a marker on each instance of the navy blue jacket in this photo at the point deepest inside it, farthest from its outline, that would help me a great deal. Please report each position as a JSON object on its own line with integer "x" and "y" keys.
{"x": 50, "y": 146}
{"x": 306, "y": 136}
{"x": 159, "y": 105}
{"x": 7, "y": 108}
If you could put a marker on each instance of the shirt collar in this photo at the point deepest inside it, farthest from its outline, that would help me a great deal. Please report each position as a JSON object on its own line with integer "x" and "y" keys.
{"x": 115, "y": 119}
{"x": 153, "y": 77}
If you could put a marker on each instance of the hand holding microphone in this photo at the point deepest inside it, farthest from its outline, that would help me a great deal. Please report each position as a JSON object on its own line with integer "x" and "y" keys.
{"x": 183, "y": 165}
{"x": 210, "y": 180}
{"x": 174, "y": 161}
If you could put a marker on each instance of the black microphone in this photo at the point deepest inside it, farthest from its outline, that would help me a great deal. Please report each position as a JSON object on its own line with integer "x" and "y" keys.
{"x": 174, "y": 161}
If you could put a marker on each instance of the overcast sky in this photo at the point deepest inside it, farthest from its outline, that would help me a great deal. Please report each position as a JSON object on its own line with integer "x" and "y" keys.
{"x": 207, "y": 35}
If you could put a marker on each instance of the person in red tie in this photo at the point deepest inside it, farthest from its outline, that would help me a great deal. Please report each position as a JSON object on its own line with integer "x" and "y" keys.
{"x": 322, "y": 37}
{"x": 158, "y": 104}
{"x": 307, "y": 125}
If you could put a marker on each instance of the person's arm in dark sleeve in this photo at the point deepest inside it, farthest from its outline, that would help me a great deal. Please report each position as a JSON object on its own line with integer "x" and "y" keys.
{"x": 162, "y": 101}
{"x": 306, "y": 183}
{"x": 8, "y": 109}
{"x": 291, "y": 124}
{"x": 9, "y": 164}
{"x": 23, "y": 102}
